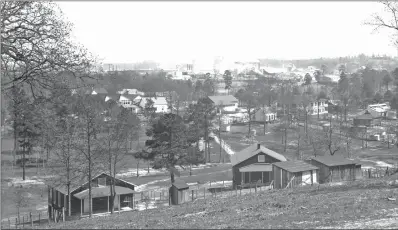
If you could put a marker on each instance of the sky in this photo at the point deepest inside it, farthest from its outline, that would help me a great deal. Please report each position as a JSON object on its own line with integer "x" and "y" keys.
{"x": 130, "y": 31}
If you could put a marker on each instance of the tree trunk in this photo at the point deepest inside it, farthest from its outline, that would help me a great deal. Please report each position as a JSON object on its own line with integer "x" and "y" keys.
{"x": 23, "y": 161}
{"x": 89, "y": 171}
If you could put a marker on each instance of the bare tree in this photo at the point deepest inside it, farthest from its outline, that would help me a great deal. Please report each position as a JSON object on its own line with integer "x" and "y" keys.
{"x": 36, "y": 46}
{"x": 89, "y": 109}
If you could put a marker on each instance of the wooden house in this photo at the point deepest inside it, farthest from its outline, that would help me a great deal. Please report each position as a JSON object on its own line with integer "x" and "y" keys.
{"x": 100, "y": 195}
{"x": 254, "y": 164}
{"x": 336, "y": 169}
{"x": 363, "y": 120}
{"x": 179, "y": 192}
{"x": 293, "y": 174}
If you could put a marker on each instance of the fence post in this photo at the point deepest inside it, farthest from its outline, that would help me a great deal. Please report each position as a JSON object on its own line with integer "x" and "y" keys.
{"x": 31, "y": 220}
{"x": 369, "y": 173}
{"x": 240, "y": 190}
{"x": 39, "y": 219}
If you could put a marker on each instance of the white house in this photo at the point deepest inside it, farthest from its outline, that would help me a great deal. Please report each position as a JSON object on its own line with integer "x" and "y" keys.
{"x": 264, "y": 115}
{"x": 379, "y": 110}
{"x": 131, "y": 102}
{"x": 159, "y": 103}
{"x": 313, "y": 107}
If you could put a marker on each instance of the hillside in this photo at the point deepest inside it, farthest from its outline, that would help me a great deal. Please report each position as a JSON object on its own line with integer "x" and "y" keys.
{"x": 361, "y": 204}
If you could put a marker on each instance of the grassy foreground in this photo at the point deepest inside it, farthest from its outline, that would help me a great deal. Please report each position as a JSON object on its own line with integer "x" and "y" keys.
{"x": 360, "y": 204}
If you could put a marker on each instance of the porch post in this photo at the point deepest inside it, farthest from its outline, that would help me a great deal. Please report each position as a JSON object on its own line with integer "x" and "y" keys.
{"x": 119, "y": 203}
{"x": 250, "y": 177}
{"x": 243, "y": 178}
{"x": 108, "y": 203}
{"x": 81, "y": 207}
{"x": 91, "y": 207}
{"x": 262, "y": 177}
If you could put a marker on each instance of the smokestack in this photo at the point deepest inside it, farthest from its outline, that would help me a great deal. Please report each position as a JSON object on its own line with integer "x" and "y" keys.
{"x": 258, "y": 145}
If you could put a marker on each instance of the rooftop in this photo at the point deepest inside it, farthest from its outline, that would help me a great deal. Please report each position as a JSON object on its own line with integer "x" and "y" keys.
{"x": 226, "y": 100}
{"x": 295, "y": 166}
{"x": 334, "y": 160}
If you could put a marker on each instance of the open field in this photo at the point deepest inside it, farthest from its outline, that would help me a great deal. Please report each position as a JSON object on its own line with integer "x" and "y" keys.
{"x": 361, "y": 204}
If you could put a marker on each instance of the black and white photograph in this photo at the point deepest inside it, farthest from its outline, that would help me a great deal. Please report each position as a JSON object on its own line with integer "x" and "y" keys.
{"x": 199, "y": 114}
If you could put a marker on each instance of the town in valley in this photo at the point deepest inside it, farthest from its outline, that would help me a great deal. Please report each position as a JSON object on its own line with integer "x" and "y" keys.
{"x": 214, "y": 115}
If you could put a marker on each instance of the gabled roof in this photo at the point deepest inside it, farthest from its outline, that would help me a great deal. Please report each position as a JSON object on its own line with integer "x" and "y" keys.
{"x": 252, "y": 151}
{"x": 180, "y": 185}
{"x": 129, "y": 96}
{"x": 220, "y": 100}
{"x": 156, "y": 101}
{"x": 365, "y": 116}
{"x": 334, "y": 160}
{"x": 295, "y": 166}
{"x": 64, "y": 189}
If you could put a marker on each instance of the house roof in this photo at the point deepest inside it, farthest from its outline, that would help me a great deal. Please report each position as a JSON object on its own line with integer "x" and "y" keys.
{"x": 365, "y": 116}
{"x": 253, "y": 150}
{"x": 64, "y": 189}
{"x": 102, "y": 191}
{"x": 100, "y": 90}
{"x": 129, "y": 96}
{"x": 220, "y": 100}
{"x": 334, "y": 160}
{"x": 180, "y": 185}
{"x": 257, "y": 167}
{"x": 156, "y": 101}
{"x": 295, "y": 166}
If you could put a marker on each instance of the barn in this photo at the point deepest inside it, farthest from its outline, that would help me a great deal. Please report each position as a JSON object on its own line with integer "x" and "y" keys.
{"x": 294, "y": 173}
{"x": 58, "y": 196}
{"x": 254, "y": 164}
{"x": 336, "y": 169}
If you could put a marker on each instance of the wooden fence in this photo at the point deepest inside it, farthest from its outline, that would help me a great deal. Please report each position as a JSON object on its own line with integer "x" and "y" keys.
{"x": 27, "y": 220}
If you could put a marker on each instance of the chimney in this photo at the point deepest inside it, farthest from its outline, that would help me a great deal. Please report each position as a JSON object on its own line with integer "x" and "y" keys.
{"x": 258, "y": 145}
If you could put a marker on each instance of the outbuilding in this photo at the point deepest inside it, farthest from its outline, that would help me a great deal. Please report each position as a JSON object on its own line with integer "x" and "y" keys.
{"x": 294, "y": 174}
{"x": 336, "y": 168}
{"x": 179, "y": 192}
{"x": 253, "y": 165}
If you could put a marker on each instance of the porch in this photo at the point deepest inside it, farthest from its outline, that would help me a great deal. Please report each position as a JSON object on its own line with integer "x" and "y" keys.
{"x": 256, "y": 173}
{"x": 101, "y": 200}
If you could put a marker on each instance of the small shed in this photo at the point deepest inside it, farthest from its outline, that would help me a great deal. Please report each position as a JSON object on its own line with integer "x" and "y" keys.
{"x": 336, "y": 168}
{"x": 179, "y": 192}
{"x": 294, "y": 173}
{"x": 363, "y": 120}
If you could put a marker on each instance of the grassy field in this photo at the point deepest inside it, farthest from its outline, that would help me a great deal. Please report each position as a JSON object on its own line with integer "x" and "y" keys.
{"x": 361, "y": 204}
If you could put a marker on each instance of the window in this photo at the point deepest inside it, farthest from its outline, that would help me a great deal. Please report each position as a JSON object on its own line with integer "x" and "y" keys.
{"x": 102, "y": 181}
{"x": 261, "y": 158}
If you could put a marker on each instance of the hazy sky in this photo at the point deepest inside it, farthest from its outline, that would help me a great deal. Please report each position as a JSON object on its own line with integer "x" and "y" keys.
{"x": 130, "y": 31}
